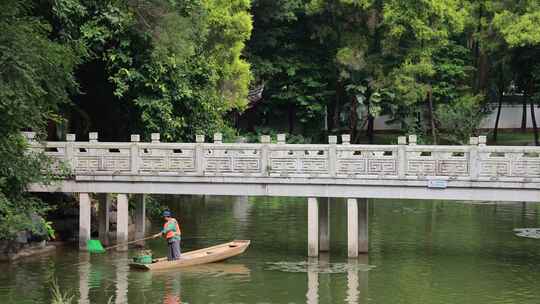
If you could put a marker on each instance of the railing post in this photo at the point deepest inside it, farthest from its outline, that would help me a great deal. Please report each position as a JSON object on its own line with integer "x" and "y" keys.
{"x": 332, "y": 155}
{"x": 155, "y": 137}
{"x": 199, "y": 141}
{"x": 134, "y": 153}
{"x": 70, "y": 155}
{"x": 482, "y": 141}
{"x": 265, "y": 163}
{"x": 402, "y": 157}
{"x": 345, "y": 139}
{"x": 473, "y": 158}
{"x": 30, "y": 136}
{"x": 412, "y": 140}
{"x": 281, "y": 139}
{"x": 218, "y": 138}
{"x": 93, "y": 137}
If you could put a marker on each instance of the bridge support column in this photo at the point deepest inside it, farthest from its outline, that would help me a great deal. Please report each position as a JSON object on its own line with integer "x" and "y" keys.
{"x": 363, "y": 226}
{"x": 352, "y": 228}
{"x": 324, "y": 224}
{"x": 313, "y": 227}
{"x": 140, "y": 217}
{"x": 84, "y": 219}
{"x": 122, "y": 221}
{"x": 103, "y": 214}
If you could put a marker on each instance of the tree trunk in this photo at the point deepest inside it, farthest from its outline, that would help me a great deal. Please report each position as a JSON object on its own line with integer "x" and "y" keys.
{"x": 353, "y": 118}
{"x": 524, "y": 115}
{"x": 533, "y": 116}
{"x": 431, "y": 116}
{"x": 496, "y": 128}
{"x": 476, "y": 47}
{"x": 337, "y": 106}
{"x": 535, "y": 128}
{"x": 370, "y": 128}
{"x": 291, "y": 117}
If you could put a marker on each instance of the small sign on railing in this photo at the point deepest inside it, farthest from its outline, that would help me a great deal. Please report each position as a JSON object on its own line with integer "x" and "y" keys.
{"x": 437, "y": 184}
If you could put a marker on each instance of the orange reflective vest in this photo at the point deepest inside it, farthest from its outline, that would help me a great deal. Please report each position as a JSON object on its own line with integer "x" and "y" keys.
{"x": 171, "y": 233}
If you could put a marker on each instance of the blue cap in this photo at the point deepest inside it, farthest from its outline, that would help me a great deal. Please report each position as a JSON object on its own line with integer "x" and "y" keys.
{"x": 166, "y": 213}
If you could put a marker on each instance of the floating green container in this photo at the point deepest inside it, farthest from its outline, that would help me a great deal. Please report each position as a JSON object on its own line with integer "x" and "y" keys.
{"x": 143, "y": 259}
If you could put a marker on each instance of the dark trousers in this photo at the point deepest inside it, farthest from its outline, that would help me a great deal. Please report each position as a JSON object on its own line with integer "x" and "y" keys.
{"x": 174, "y": 250}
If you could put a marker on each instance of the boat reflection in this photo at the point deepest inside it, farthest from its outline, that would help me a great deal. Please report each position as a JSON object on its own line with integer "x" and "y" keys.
{"x": 212, "y": 269}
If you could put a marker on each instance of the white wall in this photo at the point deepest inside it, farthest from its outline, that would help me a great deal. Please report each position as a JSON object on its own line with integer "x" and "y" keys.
{"x": 510, "y": 118}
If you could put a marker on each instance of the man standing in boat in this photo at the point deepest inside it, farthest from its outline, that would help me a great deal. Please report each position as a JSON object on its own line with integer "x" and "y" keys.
{"x": 171, "y": 232}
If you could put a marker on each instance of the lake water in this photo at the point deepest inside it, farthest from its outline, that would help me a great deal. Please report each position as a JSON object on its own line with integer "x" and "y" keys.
{"x": 420, "y": 252}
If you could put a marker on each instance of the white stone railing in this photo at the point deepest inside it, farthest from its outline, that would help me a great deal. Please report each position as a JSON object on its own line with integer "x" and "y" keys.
{"x": 405, "y": 161}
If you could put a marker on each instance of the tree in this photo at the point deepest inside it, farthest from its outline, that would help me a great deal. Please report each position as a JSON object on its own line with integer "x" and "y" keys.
{"x": 172, "y": 67}
{"x": 517, "y": 23}
{"x": 36, "y": 77}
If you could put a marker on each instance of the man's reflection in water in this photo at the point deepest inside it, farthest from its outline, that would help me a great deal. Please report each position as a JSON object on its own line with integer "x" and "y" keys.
{"x": 172, "y": 290}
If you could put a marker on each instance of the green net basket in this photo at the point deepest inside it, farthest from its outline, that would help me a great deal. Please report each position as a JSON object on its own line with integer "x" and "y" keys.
{"x": 143, "y": 259}
{"x": 95, "y": 246}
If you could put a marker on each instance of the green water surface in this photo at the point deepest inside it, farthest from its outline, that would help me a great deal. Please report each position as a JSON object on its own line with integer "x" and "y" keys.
{"x": 420, "y": 252}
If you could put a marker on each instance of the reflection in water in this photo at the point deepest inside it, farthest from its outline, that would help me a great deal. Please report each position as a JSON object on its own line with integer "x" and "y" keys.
{"x": 363, "y": 277}
{"x": 122, "y": 271}
{"x": 357, "y": 278}
{"x": 352, "y": 283}
{"x": 357, "y": 281}
{"x": 218, "y": 270}
{"x": 84, "y": 271}
{"x": 312, "y": 295}
{"x": 172, "y": 289}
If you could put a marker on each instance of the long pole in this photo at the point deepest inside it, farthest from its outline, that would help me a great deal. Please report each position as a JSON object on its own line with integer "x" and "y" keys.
{"x": 131, "y": 242}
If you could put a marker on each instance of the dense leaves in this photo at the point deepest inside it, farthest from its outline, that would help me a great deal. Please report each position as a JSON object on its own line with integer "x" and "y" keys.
{"x": 35, "y": 78}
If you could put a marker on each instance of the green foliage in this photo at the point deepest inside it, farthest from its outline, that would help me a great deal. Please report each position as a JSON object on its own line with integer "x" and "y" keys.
{"x": 36, "y": 77}
{"x": 177, "y": 64}
{"x": 459, "y": 120}
{"x": 518, "y": 22}
{"x": 153, "y": 207}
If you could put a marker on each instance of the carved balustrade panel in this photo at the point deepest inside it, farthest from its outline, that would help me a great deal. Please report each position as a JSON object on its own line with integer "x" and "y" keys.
{"x": 437, "y": 161}
{"x": 56, "y": 151}
{"x": 101, "y": 157}
{"x": 509, "y": 162}
{"x": 167, "y": 158}
{"x": 349, "y": 161}
{"x": 298, "y": 160}
{"x": 232, "y": 159}
{"x": 366, "y": 161}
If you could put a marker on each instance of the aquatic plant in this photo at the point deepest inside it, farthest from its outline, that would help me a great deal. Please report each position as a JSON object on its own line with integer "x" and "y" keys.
{"x": 59, "y": 297}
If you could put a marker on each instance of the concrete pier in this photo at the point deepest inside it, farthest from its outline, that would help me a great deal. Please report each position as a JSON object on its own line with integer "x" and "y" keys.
{"x": 352, "y": 228}
{"x": 140, "y": 216}
{"x": 313, "y": 227}
{"x": 84, "y": 219}
{"x": 324, "y": 224}
{"x": 103, "y": 215}
{"x": 122, "y": 221}
{"x": 363, "y": 225}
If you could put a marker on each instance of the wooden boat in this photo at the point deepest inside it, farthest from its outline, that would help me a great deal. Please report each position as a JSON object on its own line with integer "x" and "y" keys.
{"x": 202, "y": 256}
